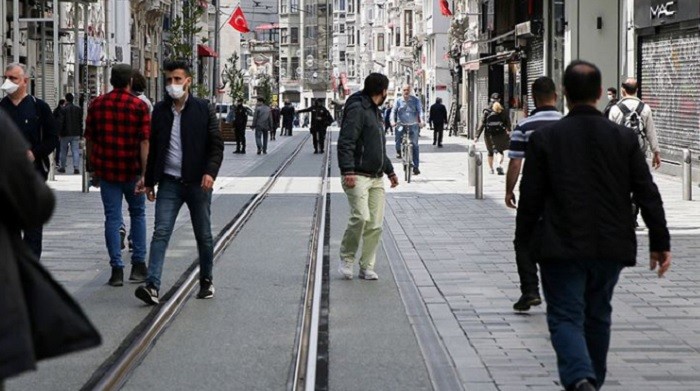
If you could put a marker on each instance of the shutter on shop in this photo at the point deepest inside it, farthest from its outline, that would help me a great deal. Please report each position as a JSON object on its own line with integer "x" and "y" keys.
{"x": 535, "y": 68}
{"x": 50, "y": 88}
{"x": 670, "y": 74}
{"x": 482, "y": 90}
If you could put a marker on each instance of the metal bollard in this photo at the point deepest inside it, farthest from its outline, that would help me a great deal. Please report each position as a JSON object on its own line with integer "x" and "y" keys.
{"x": 471, "y": 164}
{"x": 83, "y": 165}
{"x": 687, "y": 176}
{"x": 479, "y": 176}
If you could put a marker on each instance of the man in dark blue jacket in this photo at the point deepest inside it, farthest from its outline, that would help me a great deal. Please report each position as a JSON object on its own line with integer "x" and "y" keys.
{"x": 185, "y": 155}
{"x": 437, "y": 120}
{"x": 574, "y": 215}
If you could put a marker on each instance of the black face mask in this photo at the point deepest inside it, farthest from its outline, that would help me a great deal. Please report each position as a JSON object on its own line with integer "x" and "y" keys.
{"x": 382, "y": 101}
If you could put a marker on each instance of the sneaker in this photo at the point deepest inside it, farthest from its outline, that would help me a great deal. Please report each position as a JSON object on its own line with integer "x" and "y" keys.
{"x": 527, "y": 301}
{"x": 139, "y": 272}
{"x": 584, "y": 385}
{"x": 76, "y": 171}
{"x": 398, "y": 155}
{"x": 499, "y": 170}
{"x": 206, "y": 289}
{"x": 131, "y": 245}
{"x": 148, "y": 294}
{"x": 345, "y": 269}
{"x": 122, "y": 235}
{"x": 366, "y": 274}
{"x": 117, "y": 277}
{"x": 416, "y": 171}
{"x": 62, "y": 170}
{"x": 491, "y": 170}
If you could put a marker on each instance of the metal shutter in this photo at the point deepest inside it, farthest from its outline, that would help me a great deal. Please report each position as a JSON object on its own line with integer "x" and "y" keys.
{"x": 50, "y": 87}
{"x": 669, "y": 82}
{"x": 482, "y": 90}
{"x": 535, "y": 68}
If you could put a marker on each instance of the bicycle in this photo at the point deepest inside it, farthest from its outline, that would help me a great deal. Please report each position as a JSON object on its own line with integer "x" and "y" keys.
{"x": 406, "y": 151}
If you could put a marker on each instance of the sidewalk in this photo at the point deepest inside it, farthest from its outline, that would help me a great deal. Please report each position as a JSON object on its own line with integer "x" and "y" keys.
{"x": 459, "y": 252}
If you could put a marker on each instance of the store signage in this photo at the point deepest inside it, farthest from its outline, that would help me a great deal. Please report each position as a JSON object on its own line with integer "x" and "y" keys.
{"x": 662, "y": 10}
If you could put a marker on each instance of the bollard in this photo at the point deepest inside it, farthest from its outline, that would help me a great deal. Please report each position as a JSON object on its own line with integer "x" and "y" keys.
{"x": 479, "y": 176}
{"x": 83, "y": 164}
{"x": 687, "y": 176}
{"x": 52, "y": 166}
{"x": 471, "y": 164}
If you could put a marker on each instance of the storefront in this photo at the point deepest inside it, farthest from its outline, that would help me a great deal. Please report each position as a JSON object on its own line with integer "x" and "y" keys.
{"x": 668, "y": 68}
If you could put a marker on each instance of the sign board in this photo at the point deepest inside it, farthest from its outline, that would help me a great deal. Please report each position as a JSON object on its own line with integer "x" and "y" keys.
{"x": 652, "y": 13}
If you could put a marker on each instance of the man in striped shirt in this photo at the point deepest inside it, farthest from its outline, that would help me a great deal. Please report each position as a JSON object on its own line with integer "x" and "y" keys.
{"x": 545, "y": 96}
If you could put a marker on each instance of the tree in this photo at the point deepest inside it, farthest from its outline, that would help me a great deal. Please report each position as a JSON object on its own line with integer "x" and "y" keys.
{"x": 184, "y": 32}
{"x": 234, "y": 77}
{"x": 265, "y": 88}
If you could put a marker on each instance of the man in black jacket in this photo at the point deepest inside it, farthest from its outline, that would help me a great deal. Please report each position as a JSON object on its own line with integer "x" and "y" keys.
{"x": 70, "y": 132}
{"x": 437, "y": 120}
{"x": 574, "y": 215}
{"x": 287, "y": 114}
{"x": 320, "y": 120}
{"x": 239, "y": 124}
{"x": 35, "y": 121}
{"x": 186, "y": 150}
{"x": 363, "y": 162}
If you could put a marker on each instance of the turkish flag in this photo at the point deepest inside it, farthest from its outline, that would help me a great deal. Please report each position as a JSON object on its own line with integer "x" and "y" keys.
{"x": 238, "y": 21}
{"x": 445, "y": 8}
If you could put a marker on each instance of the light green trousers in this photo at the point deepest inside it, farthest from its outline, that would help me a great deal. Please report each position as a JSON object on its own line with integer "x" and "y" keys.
{"x": 366, "y": 217}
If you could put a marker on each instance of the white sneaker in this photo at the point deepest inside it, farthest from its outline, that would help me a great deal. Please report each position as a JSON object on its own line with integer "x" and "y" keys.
{"x": 368, "y": 275}
{"x": 345, "y": 269}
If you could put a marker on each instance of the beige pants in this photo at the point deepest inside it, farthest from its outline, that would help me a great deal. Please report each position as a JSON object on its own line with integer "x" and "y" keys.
{"x": 366, "y": 217}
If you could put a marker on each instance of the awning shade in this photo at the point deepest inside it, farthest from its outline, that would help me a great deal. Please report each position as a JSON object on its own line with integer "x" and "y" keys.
{"x": 206, "y": 51}
{"x": 267, "y": 26}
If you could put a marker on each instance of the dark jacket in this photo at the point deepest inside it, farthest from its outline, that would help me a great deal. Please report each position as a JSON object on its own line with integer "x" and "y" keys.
{"x": 438, "y": 115}
{"x": 287, "y": 113}
{"x": 610, "y": 105}
{"x": 361, "y": 144}
{"x": 575, "y": 193}
{"x": 240, "y": 117}
{"x": 202, "y": 145}
{"x": 275, "y": 111}
{"x": 38, "y": 319}
{"x": 71, "y": 124}
{"x": 321, "y": 118}
{"x": 38, "y": 126}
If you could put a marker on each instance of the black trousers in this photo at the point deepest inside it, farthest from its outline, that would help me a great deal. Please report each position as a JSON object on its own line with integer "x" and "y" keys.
{"x": 33, "y": 238}
{"x": 287, "y": 130}
{"x": 319, "y": 137}
{"x": 387, "y": 126}
{"x": 438, "y": 131}
{"x": 527, "y": 271}
{"x": 240, "y": 139}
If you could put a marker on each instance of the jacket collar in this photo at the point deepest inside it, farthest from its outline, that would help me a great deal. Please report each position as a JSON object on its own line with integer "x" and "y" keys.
{"x": 367, "y": 101}
{"x": 583, "y": 110}
{"x": 543, "y": 108}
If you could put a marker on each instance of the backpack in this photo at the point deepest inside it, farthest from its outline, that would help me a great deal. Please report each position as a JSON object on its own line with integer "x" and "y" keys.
{"x": 494, "y": 124}
{"x": 633, "y": 120}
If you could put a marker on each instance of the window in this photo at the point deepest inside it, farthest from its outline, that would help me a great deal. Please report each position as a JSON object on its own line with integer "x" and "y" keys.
{"x": 294, "y": 66}
{"x": 408, "y": 27}
{"x": 397, "y": 34}
{"x": 284, "y": 6}
{"x": 341, "y": 55}
{"x": 293, "y": 6}
{"x": 341, "y": 6}
{"x": 284, "y": 36}
{"x": 351, "y": 35}
{"x": 341, "y": 28}
{"x": 294, "y": 35}
{"x": 351, "y": 68}
{"x": 380, "y": 42}
{"x": 351, "y": 6}
{"x": 284, "y": 69}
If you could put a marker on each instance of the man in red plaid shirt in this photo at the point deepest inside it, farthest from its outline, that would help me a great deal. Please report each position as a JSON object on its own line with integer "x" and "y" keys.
{"x": 117, "y": 130}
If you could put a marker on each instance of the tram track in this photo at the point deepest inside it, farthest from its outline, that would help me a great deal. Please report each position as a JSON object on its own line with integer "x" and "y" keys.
{"x": 117, "y": 369}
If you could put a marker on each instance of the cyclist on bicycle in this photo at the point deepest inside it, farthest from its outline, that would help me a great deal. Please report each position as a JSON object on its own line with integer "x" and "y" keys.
{"x": 407, "y": 114}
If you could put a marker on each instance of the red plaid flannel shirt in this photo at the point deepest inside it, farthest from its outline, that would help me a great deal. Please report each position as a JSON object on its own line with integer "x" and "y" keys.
{"x": 117, "y": 122}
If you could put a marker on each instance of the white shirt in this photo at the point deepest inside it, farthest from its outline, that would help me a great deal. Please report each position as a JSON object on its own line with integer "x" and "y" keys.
{"x": 173, "y": 159}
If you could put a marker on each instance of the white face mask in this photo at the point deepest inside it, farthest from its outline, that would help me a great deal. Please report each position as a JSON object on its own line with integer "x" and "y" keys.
{"x": 9, "y": 87}
{"x": 176, "y": 91}
{"x": 610, "y": 97}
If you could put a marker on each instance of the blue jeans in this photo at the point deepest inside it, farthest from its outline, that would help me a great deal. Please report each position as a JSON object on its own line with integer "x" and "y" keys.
{"x": 414, "y": 134}
{"x": 74, "y": 142}
{"x": 578, "y": 295}
{"x": 261, "y": 140}
{"x": 112, "y": 193}
{"x": 171, "y": 195}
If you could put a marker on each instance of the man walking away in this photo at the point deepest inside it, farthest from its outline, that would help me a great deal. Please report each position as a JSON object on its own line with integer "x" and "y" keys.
{"x": 262, "y": 124}
{"x": 57, "y": 117}
{"x": 275, "y": 111}
{"x": 287, "y": 113}
{"x": 437, "y": 120}
{"x": 496, "y": 126}
{"x": 363, "y": 162}
{"x": 574, "y": 215}
{"x": 320, "y": 120}
{"x": 186, "y": 151}
{"x": 138, "y": 88}
{"x": 239, "y": 123}
{"x": 387, "y": 118}
{"x": 612, "y": 101}
{"x": 35, "y": 121}
{"x": 117, "y": 129}
{"x": 632, "y": 112}
{"x": 544, "y": 93}
{"x": 71, "y": 130}
{"x": 408, "y": 114}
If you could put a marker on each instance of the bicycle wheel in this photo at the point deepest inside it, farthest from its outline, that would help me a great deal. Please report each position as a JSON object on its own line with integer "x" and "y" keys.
{"x": 408, "y": 166}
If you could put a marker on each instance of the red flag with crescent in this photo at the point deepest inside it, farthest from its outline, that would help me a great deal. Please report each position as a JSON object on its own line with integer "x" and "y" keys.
{"x": 445, "y": 8}
{"x": 238, "y": 21}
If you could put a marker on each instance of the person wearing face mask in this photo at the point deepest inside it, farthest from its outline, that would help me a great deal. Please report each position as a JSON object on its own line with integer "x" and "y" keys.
{"x": 363, "y": 162}
{"x": 37, "y": 124}
{"x": 186, "y": 150}
{"x": 612, "y": 101}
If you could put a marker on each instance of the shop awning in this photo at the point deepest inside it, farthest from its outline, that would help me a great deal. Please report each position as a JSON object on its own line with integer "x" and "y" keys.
{"x": 496, "y": 57}
{"x": 206, "y": 51}
{"x": 267, "y": 26}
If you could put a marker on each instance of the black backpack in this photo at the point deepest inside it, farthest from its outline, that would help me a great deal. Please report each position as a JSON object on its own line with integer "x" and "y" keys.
{"x": 633, "y": 119}
{"x": 494, "y": 124}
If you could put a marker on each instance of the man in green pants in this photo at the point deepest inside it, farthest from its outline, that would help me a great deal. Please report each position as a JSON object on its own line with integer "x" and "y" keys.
{"x": 363, "y": 162}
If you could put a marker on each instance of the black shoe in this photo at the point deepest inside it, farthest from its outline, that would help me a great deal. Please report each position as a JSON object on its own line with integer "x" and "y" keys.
{"x": 76, "y": 171}
{"x": 139, "y": 272}
{"x": 206, "y": 289}
{"x": 62, "y": 170}
{"x": 117, "y": 278}
{"x": 315, "y": 151}
{"x": 527, "y": 301}
{"x": 148, "y": 294}
{"x": 398, "y": 155}
{"x": 243, "y": 151}
{"x": 416, "y": 171}
{"x": 264, "y": 151}
{"x": 122, "y": 235}
{"x": 584, "y": 385}
{"x": 259, "y": 152}
{"x": 434, "y": 143}
{"x": 237, "y": 151}
{"x": 499, "y": 170}
{"x": 322, "y": 151}
{"x": 439, "y": 145}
